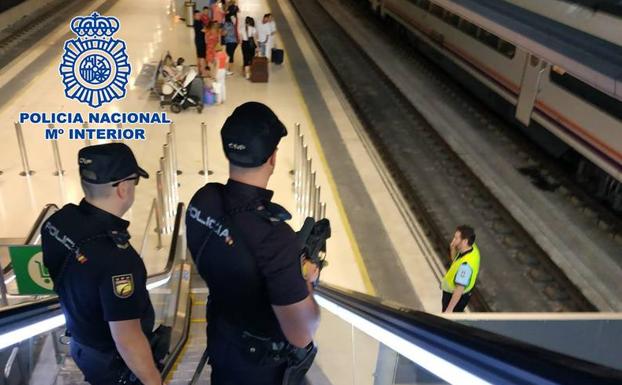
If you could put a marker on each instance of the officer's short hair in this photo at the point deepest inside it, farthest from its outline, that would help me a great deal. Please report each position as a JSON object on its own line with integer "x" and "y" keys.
{"x": 467, "y": 232}
{"x": 96, "y": 191}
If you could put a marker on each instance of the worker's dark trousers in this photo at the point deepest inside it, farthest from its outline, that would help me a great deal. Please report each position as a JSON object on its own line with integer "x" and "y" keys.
{"x": 464, "y": 300}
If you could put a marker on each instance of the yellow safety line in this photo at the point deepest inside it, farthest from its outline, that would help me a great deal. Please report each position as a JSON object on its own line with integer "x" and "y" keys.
{"x": 198, "y": 320}
{"x": 199, "y": 303}
{"x": 331, "y": 181}
{"x": 181, "y": 354}
{"x": 177, "y": 362}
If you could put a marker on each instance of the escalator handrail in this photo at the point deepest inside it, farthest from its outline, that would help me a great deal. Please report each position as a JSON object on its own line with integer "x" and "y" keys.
{"x": 475, "y": 350}
{"x": 31, "y": 309}
{"x": 34, "y": 231}
{"x": 36, "y": 227}
{"x": 173, "y": 249}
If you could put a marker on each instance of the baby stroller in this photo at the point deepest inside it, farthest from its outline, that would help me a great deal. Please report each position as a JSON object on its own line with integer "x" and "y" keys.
{"x": 181, "y": 90}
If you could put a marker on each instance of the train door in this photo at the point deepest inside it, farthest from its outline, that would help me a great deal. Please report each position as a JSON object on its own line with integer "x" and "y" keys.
{"x": 533, "y": 71}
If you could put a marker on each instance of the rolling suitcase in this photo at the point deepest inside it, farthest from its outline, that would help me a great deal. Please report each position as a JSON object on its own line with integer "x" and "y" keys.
{"x": 259, "y": 69}
{"x": 277, "y": 56}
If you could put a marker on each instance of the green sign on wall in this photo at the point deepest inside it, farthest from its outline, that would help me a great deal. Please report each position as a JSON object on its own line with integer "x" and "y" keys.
{"x": 31, "y": 275}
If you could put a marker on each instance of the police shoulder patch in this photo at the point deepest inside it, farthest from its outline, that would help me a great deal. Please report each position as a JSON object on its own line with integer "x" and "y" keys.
{"x": 123, "y": 285}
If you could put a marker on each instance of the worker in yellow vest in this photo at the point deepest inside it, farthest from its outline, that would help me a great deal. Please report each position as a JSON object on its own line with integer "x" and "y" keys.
{"x": 462, "y": 274}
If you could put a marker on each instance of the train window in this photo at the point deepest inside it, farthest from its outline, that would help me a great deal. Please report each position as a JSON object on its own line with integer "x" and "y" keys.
{"x": 599, "y": 99}
{"x": 508, "y": 49}
{"x": 469, "y": 28}
{"x": 488, "y": 38}
{"x": 436, "y": 10}
{"x": 424, "y": 4}
{"x": 451, "y": 18}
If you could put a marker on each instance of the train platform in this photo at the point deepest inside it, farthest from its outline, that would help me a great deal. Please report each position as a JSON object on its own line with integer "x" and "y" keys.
{"x": 375, "y": 248}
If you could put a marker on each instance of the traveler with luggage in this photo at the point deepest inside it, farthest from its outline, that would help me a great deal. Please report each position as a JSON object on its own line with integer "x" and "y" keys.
{"x": 271, "y": 43}
{"x": 248, "y": 35}
{"x": 264, "y": 33}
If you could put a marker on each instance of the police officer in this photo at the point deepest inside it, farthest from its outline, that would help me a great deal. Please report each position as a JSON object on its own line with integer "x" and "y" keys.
{"x": 260, "y": 306}
{"x": 463, "y": 271}
{"x": 97, "y": 274}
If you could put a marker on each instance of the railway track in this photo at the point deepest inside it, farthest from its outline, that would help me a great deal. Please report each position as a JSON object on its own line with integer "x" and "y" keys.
{"x": 27, "y": 31}
{"x": 516, "y": 275}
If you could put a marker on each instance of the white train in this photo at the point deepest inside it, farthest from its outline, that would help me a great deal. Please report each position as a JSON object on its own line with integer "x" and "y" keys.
{"x": 534, "y": 93}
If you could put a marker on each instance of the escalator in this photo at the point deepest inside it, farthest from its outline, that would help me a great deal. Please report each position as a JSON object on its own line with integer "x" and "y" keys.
{"x": 362, "y": 340}
{"x": 33, "y": 350}
{"x": 7, "y": 277}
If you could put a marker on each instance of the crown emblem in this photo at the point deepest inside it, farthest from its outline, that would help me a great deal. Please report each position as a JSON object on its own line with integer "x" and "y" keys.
{"x": 95, "y": 67}
{"x": 94, "y": 26}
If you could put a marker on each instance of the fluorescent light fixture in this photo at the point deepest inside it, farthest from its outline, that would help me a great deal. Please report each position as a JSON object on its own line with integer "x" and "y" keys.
{"x": 26, "y": 332}
{"x": 158, "y": 283}
{"x": 436, "y": 365}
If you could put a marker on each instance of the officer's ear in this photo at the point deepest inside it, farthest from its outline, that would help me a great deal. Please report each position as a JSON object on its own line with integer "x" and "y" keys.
{"x": 122, "y": 190}
{"x": 272, "y": 158}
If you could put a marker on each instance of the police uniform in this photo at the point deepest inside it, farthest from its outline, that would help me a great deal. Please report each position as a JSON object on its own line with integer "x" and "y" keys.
{"x": 97, "y": 274}
{"x": 248, "y": 256}
{"x": 463, "y": 271}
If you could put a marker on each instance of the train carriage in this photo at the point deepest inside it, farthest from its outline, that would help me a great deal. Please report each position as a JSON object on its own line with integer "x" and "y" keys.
{"x": 545, "y": 99}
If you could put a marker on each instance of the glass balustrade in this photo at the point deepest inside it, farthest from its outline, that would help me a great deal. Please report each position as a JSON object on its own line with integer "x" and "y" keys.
{"x": 33, "y": 349}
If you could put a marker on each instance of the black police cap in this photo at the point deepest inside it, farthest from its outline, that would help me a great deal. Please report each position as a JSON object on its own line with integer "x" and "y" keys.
{"x": 250, "y": 134}
{"x": 105, "y": 163}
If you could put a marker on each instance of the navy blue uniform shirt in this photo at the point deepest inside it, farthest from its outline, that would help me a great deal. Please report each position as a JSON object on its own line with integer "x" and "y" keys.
{"x": 275, "y": 260}
{"x": 105, "y": 281}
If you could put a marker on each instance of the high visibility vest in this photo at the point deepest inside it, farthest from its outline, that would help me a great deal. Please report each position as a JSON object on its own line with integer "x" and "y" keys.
{"x": 472, "y": 259}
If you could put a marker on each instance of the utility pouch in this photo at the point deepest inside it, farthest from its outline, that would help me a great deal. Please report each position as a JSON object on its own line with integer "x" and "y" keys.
{"x": 299, "y": 364}
{"x": 255, "y": 348}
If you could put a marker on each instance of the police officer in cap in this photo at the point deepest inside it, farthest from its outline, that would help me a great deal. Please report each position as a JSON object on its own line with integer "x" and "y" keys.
{"x": 98, "y": 276}
{"x": 260, "y": 305}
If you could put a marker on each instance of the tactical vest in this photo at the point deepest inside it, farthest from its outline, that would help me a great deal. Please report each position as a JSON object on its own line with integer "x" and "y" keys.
{"x": 237, "y": 291}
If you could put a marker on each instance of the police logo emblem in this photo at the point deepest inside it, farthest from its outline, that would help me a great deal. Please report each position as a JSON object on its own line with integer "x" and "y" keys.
{"x": 123, "y": 285}
{"x": 95, "y": 67}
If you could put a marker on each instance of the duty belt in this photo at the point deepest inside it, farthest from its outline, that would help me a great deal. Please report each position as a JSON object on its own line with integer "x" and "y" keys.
{"x": 258, "y": 349}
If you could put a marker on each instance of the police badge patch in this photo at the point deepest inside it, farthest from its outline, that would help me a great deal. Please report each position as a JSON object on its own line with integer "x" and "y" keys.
{"x": 123, "y": 285}
{"x": 95, "y": 67}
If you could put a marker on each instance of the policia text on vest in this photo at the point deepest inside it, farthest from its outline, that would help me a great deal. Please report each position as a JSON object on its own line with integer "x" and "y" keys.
{"x": 461, "y": 277}
{"x": 99, "y": 278}
{"x": 261, "y": 312}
